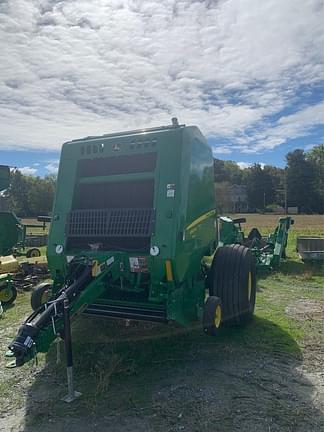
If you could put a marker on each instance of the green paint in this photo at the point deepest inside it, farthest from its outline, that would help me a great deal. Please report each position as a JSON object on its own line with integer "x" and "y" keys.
{"x": 4, "y": 177}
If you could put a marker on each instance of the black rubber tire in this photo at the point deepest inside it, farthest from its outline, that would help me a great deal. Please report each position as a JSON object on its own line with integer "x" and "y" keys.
{"x": 11, "y": 295}
{"x": 209, "y": 316}
{"x": 33, "y": 253}
{"x": 37, "y": 297}
{"x": 233, "y": 280}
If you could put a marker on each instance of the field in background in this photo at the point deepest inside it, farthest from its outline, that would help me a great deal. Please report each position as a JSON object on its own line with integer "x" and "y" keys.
{"x": 304, "y": 224}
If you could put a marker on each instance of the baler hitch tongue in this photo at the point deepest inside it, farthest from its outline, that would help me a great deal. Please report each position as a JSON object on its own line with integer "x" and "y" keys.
{"x": 23, "y": 345}
{"x": 50, "y": 314}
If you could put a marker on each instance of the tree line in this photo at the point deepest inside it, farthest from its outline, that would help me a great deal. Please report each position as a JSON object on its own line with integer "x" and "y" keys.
{"x": 300, "y": 184}
{"x": 29, "y": 196}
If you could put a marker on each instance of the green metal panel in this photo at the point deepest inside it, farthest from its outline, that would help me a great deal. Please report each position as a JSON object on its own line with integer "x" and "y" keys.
{"x": 4, "y": 177}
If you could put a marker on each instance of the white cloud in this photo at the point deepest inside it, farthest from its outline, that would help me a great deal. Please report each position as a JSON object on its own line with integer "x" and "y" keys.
{"x": 28, "y": 170}
{"x": 52, "y": 167}
{"x": 76, "y": 68}
{"x": 244, "y": 165}
{"x": 222, "y": 149}
{"x": 309, "y": 147}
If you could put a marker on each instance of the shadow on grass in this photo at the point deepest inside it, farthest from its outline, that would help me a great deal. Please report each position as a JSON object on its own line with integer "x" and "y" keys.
{"x": 149, "y": 380}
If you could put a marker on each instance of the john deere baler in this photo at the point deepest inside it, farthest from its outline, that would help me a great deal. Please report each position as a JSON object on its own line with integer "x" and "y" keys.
{"x": 134, "y": 235}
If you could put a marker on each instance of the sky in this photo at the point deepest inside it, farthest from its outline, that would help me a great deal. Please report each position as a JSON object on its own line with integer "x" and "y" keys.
{"x": 248, "y": 73}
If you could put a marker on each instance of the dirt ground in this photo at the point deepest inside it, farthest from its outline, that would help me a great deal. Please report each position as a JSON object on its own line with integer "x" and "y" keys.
{"x": 200, "y": 384}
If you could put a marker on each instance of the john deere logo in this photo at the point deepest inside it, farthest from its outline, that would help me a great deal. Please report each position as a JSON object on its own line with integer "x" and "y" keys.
{"x": 116, "y": 147}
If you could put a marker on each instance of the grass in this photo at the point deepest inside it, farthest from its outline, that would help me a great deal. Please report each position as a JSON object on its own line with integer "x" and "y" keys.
{"x": 102, "y": 360}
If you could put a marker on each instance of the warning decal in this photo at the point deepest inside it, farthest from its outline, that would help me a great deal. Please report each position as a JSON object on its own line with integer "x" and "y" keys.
{"x": 138, "y": 264}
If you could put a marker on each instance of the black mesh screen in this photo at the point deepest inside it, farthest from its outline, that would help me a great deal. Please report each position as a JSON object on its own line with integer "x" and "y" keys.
{"x": 114, "y": 222}
{"x": 135, "y": 194}
{"x": 126, "y": 164}
{"x": 117, "y": 216}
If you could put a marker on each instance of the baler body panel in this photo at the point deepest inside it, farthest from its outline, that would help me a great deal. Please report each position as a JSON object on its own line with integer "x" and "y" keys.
{"x": 118, "y": 195}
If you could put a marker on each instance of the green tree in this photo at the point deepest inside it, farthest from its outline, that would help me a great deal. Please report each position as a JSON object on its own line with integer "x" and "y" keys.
{"x": 276, "y": 194}
{"x": 316, "y": 159}
{"x": 17, "y": 194}
{"x": 222, "y": 197}
{"x": 260, "y": 187}
{"x": 30, "y": 196}
{"x": 227, "y": 171}
{"x": 41, "y": 195}
{"x": 300, "y": 181}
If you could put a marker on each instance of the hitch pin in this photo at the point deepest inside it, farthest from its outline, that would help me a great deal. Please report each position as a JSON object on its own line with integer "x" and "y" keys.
{"x": 53, "y": 325}
{"x": 35, "y": 358}
{"x": 53, "y": 322}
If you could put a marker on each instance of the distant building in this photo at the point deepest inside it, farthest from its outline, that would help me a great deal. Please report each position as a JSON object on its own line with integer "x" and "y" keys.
{"x": 292, "y": 210}
{"x": 238, "y": 199}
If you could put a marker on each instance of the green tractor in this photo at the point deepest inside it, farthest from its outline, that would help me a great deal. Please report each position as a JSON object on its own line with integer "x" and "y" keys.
{"x": 134, "y": 236}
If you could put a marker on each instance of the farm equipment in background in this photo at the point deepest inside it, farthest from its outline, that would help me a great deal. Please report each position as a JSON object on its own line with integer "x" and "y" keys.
{"x": 22, "y": 274}
{"x": 14, "y": 239}
{"x": 13, "y": 242}
{"x": 268, "y": 251}
{"x": 8, "y": 291}
{"x": 311, "y": 249}
{"x": 133, "y": 236}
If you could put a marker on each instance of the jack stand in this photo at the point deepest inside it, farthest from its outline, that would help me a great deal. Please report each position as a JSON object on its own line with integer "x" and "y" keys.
{"x": 58, "y": 351}
{"x": 72, "y": 394}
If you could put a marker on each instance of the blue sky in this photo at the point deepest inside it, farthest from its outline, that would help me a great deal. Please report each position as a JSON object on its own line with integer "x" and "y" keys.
{"x": 250, "y": 74}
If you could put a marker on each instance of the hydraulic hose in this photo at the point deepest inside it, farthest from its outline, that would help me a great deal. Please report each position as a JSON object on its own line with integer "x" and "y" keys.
{"x": 24, "y": 343}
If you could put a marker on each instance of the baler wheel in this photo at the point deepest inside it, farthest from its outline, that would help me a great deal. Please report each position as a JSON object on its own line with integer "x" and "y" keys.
{"x": 8, "y": 295}
{"x": 39, "y": 295}
{"x": 212, "y": 318}
{"x": 33, "y": 253}
{"x": 233, "y": 280}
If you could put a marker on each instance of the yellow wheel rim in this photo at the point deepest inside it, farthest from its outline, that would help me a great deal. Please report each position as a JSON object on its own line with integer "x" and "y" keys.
{"x": 249, "y": 286}
{"x": 34, "y": 254}
{"x": 218, "y": 316}
{"x": 5, "y": 295}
